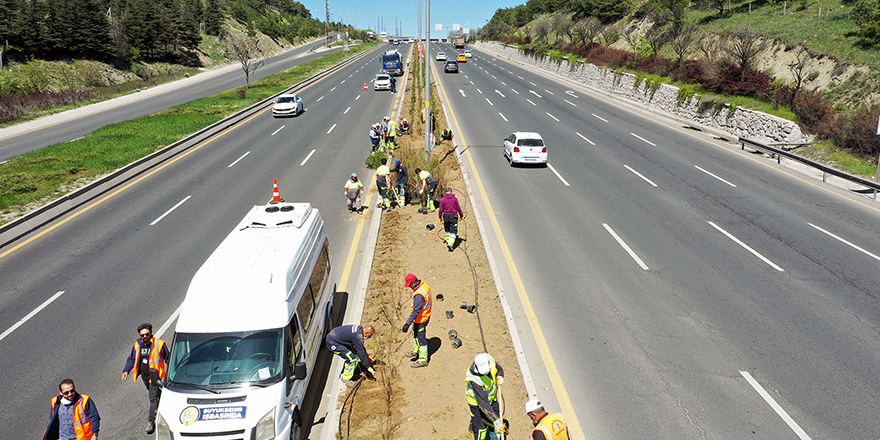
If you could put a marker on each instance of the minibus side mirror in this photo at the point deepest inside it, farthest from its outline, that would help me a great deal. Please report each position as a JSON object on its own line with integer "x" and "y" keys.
{"x": 299, "y": 371}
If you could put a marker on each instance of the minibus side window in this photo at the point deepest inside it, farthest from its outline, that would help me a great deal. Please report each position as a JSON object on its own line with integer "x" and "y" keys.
{"x": 294, "y": 346}
{"x": 317, "y": 281}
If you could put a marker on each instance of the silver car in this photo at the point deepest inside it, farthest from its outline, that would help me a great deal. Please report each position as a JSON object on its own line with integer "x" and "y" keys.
{"x": 287, "y": 105}
{"x": 524, "y": 147}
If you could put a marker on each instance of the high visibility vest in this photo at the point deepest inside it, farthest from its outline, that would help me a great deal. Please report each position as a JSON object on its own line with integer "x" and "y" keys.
{"x": 553, "y": 427}
{"x": 392, "y": 128}
{"x": 487, "y": 382}
{"x": 424, "y": 175}
{"x": 353, "y": 184}
{"x": 423, "y": 315}
{"x": 155, "y": 363}
{"x": 82, "y": 424}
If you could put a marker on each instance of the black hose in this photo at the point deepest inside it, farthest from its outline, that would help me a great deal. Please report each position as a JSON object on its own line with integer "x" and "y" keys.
{"x": 350, "y": 395}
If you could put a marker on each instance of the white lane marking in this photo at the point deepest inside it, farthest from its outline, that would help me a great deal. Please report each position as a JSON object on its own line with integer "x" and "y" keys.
{"x": 481, "y": 92}
{"x": 334, "y": 88}
{"x": 331, "y": 128}
{"x": 351, "y": 75}
{"x": 530, "y": 102}
{"x": 493, "y": 77}
{"x": 535, "y": 93}
{"x": 755, "y": 253}
{"x": 319, "y": 99}
{"x": 533, "y": 84}
{"x": 472, "y": 83}
{"x": 346, "y": 111}
{"x": 342, "y": 82}
{"x": 640, "y": 175}
{"x": 554, "y": 117}
{"x": 714, "y": 176}
{"x": 30, "y": 315}
{"x": 170, "y": 210}
{"x": 502, "y": 117}
{"x": 571, "y": 93}
{"x": 467, "y": 77}
{"x": 307, "y": 158}
{"x": 599, "y": 117}
{"x": 503, "y": 83}
{"x": 237, "y": 160}
{"x": 276, "y": 131}
{"x": 159, "y": 333}
{"x": 781, "y": 412}
{"x": 462, "y": 93}
{"x": 520, "y": 77}
{"x": 499, "y": 92}
{"x": 564, "y": 182}
{"x": 625, "y": 247}
{"x": 358, "y": 97}
{"x": 548, "y": 91}
{"x": 490, "y": 102}
{"x": 582, "y": 137}
{"x": 570, "y": 102}
{"x": 847, "y": 243}
{"x": 514, "y": 91}
{"x": 644, "y": 140}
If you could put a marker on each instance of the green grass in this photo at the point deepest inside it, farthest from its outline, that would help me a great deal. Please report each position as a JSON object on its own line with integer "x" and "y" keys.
{"x": 828, "y": 153}
{"x": 41, "y": 175}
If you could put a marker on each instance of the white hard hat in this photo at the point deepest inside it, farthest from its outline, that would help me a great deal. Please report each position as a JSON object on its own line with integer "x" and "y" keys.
{"x": 481, "y": 362}
{"x": 533, "y": 405}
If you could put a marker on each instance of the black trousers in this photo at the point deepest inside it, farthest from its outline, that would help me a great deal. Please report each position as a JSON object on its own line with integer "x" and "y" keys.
{"x": 154, "y": 389}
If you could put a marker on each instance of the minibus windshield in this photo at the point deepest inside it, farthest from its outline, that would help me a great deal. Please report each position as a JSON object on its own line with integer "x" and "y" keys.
{"x": 227, "y": 360}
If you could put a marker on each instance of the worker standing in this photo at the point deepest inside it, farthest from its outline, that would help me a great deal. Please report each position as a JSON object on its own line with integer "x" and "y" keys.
{"x": 402, "y": 176}
{"x": 393, "y": 84}
{"x": 547, "y": 426}
{"x": 431, "y": 183}
{"x": 374, "y": 137}
{"x": 347, "y": 342}
{"x": 420, "y": 314}
{"x": 72, "y": 416}
{"x": 449, "y": 212}
{"x": 391, "y": 134}
{"x": 382, "y": 183}
{"x": 148, "y": 358}
{"x": 482, "y": 379}
{"x": 353, "y": 190}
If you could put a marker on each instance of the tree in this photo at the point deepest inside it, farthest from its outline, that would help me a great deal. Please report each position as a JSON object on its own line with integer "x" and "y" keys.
{"x": 866, "y": 14}
{"x": 10, "y": 13}
{"x": 673, "y": 11}
{"x": 709, "y": 46}
{"x": 743, "y": 46}
{"x": 683, "y": 43}
{"x": 587, "y": 29}
{"x": 212, "y": 17}
{"x": 799, "y": 68}
{"x": 541, "y": 27}
{"x": 188, "y": 34}
{"x": 245, "y": 49}
{"x": 33, "y": 30}
{"x": 659, "y": 36}
{"x": 562, "y": 25}
{"x": 714, "y": 4}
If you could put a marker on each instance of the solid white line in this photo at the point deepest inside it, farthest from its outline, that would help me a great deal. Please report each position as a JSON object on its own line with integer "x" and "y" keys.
{"x": 240, "y": 158}
{"x": 564, "y": 182}
{"x": 639, "y": 174}
{"x": 170, "y": 210}
{"x": 582, "y": 137}
{"x": 769, "y": 399}
{"x": 159, "y": 333}
{"x": 331, "y": 128}
{"x": 554, "y": 117}
{"x": 746, "y": 247}
{"x": 319, "y": 99}
{"x": 31, "y": 315}
{"x": 490, "y": 102}
{"x": 570, "y": 102}
{"x": 846, "y": 242}
{"x": 307, "y": 158}
{"x": 530, "y": 102}
{"x": 644, "y": 140}
{"x": 276, "y": 131}
{"x": 599, "y": 117}
{"x": 346, "y": 111}
{"x": 502, "y": 117}
{"x": 625, "y": 247}
{"x": 714, "y": 176}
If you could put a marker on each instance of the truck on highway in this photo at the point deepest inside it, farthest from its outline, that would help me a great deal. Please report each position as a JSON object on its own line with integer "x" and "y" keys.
{"x": 458, "y": 41}
{"x": 250, "y": 328}
{"x": 392, "y": 63}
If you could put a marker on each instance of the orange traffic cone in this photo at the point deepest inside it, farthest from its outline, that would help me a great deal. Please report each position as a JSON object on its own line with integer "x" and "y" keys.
{"x": 276, "y": 196}
{"x": 365, "y": 85}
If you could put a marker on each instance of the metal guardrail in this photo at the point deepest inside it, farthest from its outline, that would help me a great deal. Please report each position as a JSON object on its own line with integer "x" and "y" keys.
{"x": 45, "y": 215}
{"x": 825, "y": 169}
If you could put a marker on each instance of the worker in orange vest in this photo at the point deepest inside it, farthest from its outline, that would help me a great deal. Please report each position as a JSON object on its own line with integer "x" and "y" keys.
{"x": 420, "y": 314}
{"x": 72, "y": 415}
{"x": 149, "y": 358}
{"x": 547, "y": 426}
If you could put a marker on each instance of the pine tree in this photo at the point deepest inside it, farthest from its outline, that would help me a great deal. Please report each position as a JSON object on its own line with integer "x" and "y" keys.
{"x": 140, "y": 20}
{"x": 213, "y": 17}
{"x": 32, "y": 37}
{"x": 188, "y": 33}
{"x": 10, "y": 14}
{"x": 89, "y": 34}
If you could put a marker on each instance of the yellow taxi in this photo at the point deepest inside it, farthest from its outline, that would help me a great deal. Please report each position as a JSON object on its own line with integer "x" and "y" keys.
{"x": 461, "y": 58}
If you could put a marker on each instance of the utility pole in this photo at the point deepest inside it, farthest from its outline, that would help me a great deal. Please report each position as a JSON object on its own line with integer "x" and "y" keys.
{"x": 428, "y": 115}
{"x": 326, "y": 22}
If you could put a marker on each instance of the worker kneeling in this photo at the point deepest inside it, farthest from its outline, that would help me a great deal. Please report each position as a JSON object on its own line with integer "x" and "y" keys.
{"x": 347, "y": 342}
{"x": 483, "y": 379}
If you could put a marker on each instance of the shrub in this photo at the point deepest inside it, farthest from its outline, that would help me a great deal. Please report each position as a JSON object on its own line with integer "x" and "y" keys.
{"x": 814, "y": 112}
{"x": 10, "y": 84}
{"x": 690, "y": 71}
{"x": 857, "y": 132}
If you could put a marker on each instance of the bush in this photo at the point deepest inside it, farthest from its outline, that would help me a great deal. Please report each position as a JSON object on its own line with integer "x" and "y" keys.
{"x": 10, "y": 84}
{"x": 814, "y": 112}
{"x": 611, "y": 58}
{"x": 375, "y": 159}
{"x": 690, "y": 71}
{"x": 857, "y": 132}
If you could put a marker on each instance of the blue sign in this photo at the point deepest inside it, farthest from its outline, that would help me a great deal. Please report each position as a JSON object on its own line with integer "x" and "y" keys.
{"x": 191, "y": 414}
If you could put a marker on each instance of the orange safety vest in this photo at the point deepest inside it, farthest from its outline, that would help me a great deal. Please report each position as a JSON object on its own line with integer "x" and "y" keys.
{"x": 82, "y": 425}
{"x": 553, "y": 427}
{"x": 154, "y": 363}
{"x": 425, "y": 313}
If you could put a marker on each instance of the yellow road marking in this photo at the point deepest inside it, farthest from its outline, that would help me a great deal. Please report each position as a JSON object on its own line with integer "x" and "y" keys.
{"x": 571, "y": 419}
{"x": 346, "y": 270}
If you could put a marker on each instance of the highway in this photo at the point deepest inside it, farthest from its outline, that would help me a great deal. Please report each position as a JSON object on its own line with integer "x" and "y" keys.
{"x": 14, "y": 142}
{"x": 684, "y": 288}
{"x": 72, "y": 299}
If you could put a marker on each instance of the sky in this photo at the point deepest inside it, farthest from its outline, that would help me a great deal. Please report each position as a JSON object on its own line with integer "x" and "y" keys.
{"x": 368, "y": 14}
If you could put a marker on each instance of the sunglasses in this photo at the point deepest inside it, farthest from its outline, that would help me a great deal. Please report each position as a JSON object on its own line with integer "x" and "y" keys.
{"x": 68, "y": 392}
{"x": 146, "y": 335}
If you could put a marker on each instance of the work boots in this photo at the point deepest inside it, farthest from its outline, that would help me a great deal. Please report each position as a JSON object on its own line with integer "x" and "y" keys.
{"x": 418, "y": 364}
{"x": 412, "y": 355}
{"x": 151, "y": 427}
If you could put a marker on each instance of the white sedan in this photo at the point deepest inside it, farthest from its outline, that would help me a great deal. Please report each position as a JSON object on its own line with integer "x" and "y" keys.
{"x": 524, "y": 147}
{"x": 382, "y": 82}
{"x": 287, "y": 105}
{"x": 468, "y": 53}
{"x": 440, "y": 56}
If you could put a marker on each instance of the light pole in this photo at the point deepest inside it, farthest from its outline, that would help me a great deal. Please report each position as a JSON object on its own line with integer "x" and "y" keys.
{"x": 428, "y": 115}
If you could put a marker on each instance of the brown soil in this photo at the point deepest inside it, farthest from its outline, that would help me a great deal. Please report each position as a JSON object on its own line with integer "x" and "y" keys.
{"x": 430, "y": 402}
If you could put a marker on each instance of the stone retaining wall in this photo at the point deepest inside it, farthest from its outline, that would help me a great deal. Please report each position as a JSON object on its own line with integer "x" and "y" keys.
{"x": 740, "y": 122}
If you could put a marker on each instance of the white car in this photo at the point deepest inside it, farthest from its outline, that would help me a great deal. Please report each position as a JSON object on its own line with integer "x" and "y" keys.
{"x": 523, "y": 148}
{"x": 382, "y": 82}
{"x": 441, "y": 56}
{"x": 468, "y": 53}
{"x": 287, "y": 105}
